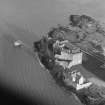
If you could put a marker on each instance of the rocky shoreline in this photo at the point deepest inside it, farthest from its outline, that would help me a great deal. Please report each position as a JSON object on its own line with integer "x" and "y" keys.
{"x": 63, "y": 48}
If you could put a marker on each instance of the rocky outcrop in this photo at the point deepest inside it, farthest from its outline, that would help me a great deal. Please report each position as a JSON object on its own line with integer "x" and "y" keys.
{"x": 67, "y": 46}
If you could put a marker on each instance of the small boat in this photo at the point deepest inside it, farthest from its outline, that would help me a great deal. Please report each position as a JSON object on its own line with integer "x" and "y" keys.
{"x": 18, "y": 43}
